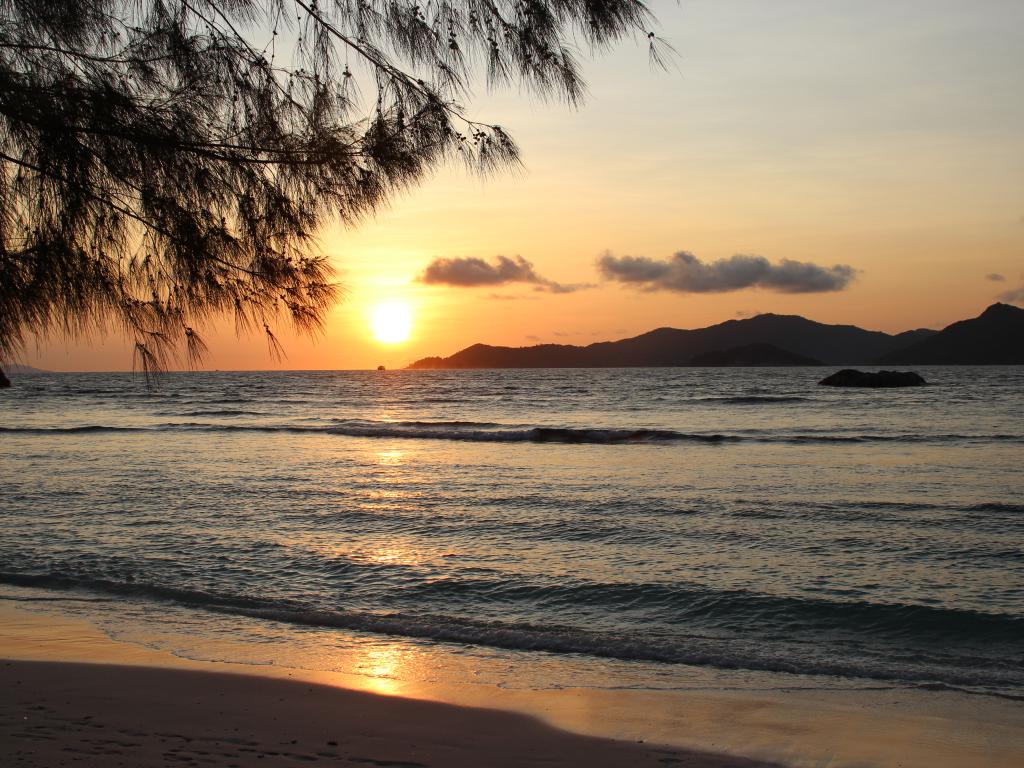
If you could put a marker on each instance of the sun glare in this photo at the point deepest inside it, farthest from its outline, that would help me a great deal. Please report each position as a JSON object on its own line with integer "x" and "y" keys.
{"x": 391, "y": 322}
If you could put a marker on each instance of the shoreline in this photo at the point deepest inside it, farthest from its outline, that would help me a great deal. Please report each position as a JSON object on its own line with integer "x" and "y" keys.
{"x": 64, "y": 701}
{"x": 884, "y": 727}
{"x": 61, "y": 713}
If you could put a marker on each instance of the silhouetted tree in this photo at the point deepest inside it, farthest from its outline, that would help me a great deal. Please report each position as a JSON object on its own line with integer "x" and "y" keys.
{"x": 165, "y": 162}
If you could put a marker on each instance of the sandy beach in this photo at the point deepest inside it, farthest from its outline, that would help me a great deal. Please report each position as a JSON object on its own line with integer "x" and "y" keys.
{"x": 56, "y": 714}
{"x": 69, "y": 695}
{"x": 153, "y": 709}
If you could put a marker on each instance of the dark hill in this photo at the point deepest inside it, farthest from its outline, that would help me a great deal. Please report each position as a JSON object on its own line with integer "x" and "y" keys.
{"x": 21, "y": 369}
{"x": 752, "y": 355}
{"x": 15, "y": 369}
{"x": 486, "y": 356}
{"x": 830, "y": 344}
{"x": 995, "y": 337}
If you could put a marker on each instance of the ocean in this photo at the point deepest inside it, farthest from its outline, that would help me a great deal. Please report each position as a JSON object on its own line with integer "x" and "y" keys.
{"x": 661, "y": 529}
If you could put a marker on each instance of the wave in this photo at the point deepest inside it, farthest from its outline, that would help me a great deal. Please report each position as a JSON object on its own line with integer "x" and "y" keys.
{"x": 751, "y": 653}
{"x": 476, "y": 424}
{"x": 460, "y": 431}
{"x": 482, "y": 433}
{"x": 995, "y": 507}
{"x": 70, "y": 430}
{"x": 36, "y": 599}
{"x": 219, "y": 412}
{"x": 469, "y": 431}
{"x": 754, "y": 399}
{"x": 736, "y": 611}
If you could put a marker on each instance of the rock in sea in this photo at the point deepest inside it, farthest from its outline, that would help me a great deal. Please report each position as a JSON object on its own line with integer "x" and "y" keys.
{"x": 4, "y": 381}
{"x": 849, "y": 377}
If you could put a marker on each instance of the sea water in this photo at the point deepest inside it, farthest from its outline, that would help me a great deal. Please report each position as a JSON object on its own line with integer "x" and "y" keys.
{"x": 640, "y": 528}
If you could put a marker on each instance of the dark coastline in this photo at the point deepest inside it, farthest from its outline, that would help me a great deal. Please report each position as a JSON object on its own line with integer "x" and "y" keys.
{"x": 996, "y": 337}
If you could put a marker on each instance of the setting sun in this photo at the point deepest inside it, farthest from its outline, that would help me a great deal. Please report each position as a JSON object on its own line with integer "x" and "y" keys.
{"x": 391, "y": 322}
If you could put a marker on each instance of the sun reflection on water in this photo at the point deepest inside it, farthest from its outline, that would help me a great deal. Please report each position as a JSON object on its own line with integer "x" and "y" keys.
{"x": 391, "y": 458}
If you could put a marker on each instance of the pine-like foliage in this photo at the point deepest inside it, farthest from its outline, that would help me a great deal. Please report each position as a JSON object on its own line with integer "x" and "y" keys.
{"x": 166, "y": 162}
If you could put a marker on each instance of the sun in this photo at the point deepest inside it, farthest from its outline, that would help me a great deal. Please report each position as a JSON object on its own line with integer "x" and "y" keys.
{"x": 391, "y": 322}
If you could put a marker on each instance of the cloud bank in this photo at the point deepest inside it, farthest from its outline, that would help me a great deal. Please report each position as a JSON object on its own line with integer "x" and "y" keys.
{"x": 995, "y": 277}
{"x": 472, "y": 272}
{"x": 685, "y": 273}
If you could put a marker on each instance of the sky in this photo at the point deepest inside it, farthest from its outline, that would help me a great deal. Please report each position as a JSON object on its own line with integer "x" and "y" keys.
{"x": 851, "y": 161}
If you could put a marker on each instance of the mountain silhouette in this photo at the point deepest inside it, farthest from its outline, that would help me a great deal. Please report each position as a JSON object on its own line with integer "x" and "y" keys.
{"x": 18, "y": 368}
{"x": 752, "y": 355}
{"x": 995, "y": 337}
{"x": 790, "y": 334}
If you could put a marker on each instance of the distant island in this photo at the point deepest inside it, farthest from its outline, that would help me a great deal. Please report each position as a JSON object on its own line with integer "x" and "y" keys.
{"x": 20, "y": 369}
{"x": 996, "y": 337}
{"x": 752, "y": 355}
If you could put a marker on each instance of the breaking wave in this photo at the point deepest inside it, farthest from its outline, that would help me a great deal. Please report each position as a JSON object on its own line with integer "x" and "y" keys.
{"x": 702, "y": 647}
{"x": 485, "y": 432}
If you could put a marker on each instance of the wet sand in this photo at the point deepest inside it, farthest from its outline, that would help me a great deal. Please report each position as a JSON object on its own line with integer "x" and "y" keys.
{"x": 70, "y": 695}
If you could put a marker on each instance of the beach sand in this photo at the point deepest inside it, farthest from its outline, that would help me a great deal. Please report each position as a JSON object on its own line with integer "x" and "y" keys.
{"x": 57, "y": 714}
{"x": 153, "y": 709}
{"x": 69, "y": 695}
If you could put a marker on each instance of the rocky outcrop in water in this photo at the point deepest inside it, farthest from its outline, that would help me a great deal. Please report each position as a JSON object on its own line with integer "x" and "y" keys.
{"x": 849, "y": 377}
{"x": 4, "y": 381}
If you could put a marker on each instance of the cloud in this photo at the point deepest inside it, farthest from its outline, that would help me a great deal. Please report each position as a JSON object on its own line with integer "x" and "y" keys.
{"x": 552, "y": 287}
{"x": 685, "y": 273}
{"x": 995, "y": 277}
{"x": 471, "y": 272}
{"x": 510, "y": 297}
{"x": 1016, "y": 296}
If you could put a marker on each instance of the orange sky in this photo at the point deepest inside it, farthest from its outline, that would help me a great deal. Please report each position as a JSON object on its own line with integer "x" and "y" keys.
{"x": 888, "y": 139}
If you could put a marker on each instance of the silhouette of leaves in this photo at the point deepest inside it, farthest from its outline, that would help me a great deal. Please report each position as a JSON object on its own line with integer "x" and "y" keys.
{"x": 167, "y": 162}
